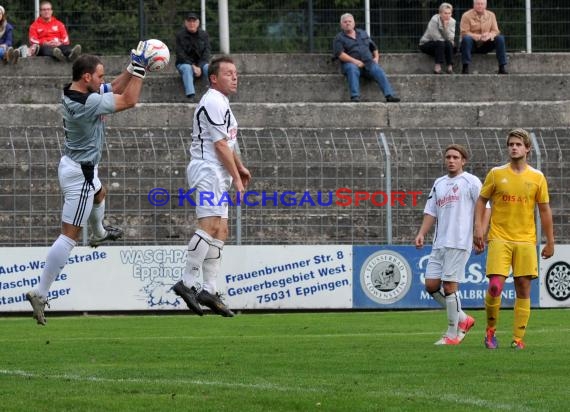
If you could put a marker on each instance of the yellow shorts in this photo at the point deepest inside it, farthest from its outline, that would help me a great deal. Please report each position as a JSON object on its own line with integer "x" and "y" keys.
{"x": 502, "y": 255}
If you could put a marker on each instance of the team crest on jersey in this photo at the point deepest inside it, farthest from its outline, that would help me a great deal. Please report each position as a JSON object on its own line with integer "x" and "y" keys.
{"x": 386, "y": 277}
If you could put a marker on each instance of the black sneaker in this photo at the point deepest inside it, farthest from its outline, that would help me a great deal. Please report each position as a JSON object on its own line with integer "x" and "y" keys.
{"x": 465, "y": 69}
{"x": 189, "y": 296}
{"x": 503, "y": 69}
{"x": 392, "y": 99}
{"x": 111, "y": 233}
{"x": 214, "y": 302}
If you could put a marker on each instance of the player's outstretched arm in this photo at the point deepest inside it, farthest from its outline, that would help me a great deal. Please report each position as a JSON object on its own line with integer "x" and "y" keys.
{"x": 129, "y": 83}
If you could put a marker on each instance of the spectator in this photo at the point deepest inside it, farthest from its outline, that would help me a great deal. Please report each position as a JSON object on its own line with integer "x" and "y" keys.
{"x": 439, "y": 38}
{"x": 192, "y": 53}
{"x": 480, "y": 34}
{"x": 358, "y": 55}
{"x": 7, "y": 52}
{"x": 48, "y": 36}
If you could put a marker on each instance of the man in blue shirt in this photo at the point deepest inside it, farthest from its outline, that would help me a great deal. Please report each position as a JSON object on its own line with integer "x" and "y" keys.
{"x": 359, "y": 55}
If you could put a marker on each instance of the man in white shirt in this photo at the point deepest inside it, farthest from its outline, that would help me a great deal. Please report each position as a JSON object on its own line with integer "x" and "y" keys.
{"x": 214, "y": 166}
{"x": 451, "y": 204}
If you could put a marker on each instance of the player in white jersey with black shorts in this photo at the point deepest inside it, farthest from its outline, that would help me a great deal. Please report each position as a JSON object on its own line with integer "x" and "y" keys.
{"x": 451, "y": 205}
{"x": 84, "y": 103}
{"x": 214, "y": 166}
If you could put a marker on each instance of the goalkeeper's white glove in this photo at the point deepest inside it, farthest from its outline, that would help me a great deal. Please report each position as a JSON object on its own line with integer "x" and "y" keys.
{"x": 136, "y": 70}
{"x": 139, "y": 61}
{"x": 139, "y": 55}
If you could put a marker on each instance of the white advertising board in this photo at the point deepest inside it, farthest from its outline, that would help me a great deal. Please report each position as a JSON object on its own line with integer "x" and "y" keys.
{"x": 140, "y": 278}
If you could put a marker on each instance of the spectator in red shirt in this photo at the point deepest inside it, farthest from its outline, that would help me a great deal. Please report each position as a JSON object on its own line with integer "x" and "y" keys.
{"x": 48, "y": 36}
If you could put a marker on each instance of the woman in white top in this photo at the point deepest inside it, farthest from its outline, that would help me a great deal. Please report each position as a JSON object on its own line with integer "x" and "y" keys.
{"x": 438, "y": 39}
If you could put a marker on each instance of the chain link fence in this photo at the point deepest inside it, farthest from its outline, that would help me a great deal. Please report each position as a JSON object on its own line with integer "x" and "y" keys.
{"x": 113, "y": 27}
{"x": 291, "y": 169}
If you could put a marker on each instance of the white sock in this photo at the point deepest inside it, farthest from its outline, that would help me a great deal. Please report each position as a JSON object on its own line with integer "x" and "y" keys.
{"x": 212, "y": 264}
{"x": 55, "y": 262}
{"x": 197, "y": 250}
{"x": 453, "y": 305}
{"x": 96, "y": 219}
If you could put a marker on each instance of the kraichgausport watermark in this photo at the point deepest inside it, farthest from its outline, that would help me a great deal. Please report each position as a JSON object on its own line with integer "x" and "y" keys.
{"x": 342, "y": 197}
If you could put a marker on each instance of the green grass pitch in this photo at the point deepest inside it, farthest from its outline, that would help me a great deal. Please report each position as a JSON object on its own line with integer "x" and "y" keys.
{"x": 335, "y": 361}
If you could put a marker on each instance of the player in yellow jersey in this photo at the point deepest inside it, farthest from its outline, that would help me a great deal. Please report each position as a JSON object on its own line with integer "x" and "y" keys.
{"x": 513, "y": 189}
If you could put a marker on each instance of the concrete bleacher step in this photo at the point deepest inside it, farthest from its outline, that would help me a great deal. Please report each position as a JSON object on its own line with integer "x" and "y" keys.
{"x": 328, "y": 115}
{"x": 326, "y": 88}
{"x": 315, "y": 63}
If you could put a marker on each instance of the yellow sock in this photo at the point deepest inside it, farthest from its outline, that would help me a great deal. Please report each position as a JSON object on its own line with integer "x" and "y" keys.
{"x": 492, "y": 306}
{"x": 521, "y": 315}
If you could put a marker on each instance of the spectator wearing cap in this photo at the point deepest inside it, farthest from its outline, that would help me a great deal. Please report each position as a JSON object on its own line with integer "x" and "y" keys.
{"x": 192, "y": 53}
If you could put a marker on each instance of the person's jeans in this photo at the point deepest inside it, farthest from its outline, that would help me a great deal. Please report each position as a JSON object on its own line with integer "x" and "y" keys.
{"x": 468, "y": 46}
{"x": 187, "y": 74}
{"x": 373, "y": 71}
{"x": 441, "y": 50}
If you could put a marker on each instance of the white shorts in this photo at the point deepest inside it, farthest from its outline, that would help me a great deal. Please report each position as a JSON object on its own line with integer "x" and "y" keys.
{"x": 212, "y": 183}
{"x": 78, "y": 194}
{"x": 447, "y": 264}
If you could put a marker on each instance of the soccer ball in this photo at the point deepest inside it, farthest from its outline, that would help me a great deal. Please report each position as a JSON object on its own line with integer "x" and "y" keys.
{"x": 159, "y": 55}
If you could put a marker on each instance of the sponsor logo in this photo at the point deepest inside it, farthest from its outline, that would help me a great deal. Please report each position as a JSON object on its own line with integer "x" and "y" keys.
{"x": 386, "y": 277}
{"x": 557, "y": 281}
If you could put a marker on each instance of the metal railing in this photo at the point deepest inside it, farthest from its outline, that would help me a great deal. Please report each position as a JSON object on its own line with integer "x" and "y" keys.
{"x": 113, "y": 27}
{"x": 300, "y": 161}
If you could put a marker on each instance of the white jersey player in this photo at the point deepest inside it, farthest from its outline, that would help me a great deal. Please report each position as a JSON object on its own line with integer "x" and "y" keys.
{"x": 84, "y": 103}
{"x": 215, "y": 165}
{"x": 451, "y": 206}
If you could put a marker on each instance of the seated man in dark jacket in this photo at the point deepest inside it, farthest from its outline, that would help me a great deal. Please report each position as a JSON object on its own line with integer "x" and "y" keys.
{"x": 358, "y": 55}
{"x": 192, "y": 53}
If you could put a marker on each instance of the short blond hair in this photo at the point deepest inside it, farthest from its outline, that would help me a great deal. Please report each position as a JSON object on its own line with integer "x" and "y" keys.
{"x": 521, "y": 134}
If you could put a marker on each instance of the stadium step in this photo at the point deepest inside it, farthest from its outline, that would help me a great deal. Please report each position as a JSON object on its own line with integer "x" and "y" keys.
{"x": 323, "y": 88}
{"x": 325, "y": 115}
{"x": 319, "y": 63}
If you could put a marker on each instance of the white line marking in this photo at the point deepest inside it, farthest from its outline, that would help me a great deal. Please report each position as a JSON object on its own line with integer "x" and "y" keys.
{"x": 78, "y": 378}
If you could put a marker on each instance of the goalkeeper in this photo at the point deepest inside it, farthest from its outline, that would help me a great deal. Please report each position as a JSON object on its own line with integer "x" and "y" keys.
{"x": 84, "y": 102}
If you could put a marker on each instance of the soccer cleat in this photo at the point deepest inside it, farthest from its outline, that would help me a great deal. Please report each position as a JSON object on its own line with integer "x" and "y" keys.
{"x": 189, "y": 296}
{"x": 111, "y": 233}
{"x": 446, "y": 340}
{"x": 58, "y": 54}
{"x": 465, "y": 326}
{"x": 214, "y": 302}
{"x": 518, "y": 344}
{"x": 491, "y": 339}
{"x": 38, "y": 305}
